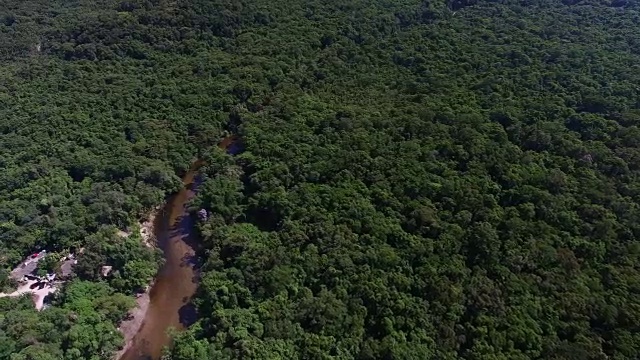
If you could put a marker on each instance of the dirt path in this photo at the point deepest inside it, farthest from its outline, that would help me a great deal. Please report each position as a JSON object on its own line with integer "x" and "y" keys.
{"x": 23, "y": 289}
{"x": 146, "y": 229}
{"x": 38, "y": 295}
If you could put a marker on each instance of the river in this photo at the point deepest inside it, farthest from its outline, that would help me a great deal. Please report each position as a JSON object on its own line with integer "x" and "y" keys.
{"x": 176, "y": 281}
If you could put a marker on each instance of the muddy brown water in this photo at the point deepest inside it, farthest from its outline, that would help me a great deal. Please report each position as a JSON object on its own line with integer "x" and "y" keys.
{"x": 176, "y": 282}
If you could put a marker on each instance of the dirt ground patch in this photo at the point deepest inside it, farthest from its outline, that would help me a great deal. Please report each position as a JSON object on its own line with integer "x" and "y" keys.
{"x": 130, "y": 327}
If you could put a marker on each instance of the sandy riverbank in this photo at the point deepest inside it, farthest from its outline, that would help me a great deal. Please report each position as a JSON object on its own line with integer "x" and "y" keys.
{"x": 130, "y": 327}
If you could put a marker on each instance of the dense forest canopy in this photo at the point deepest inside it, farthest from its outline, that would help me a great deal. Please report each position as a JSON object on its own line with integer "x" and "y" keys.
{"x": 420, "y": 179}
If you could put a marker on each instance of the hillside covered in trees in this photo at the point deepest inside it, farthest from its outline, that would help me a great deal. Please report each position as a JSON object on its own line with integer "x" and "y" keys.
{"x": 420, "y": 179}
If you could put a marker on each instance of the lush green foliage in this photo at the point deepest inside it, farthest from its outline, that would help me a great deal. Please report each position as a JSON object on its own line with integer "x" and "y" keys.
{"x": 422, "y": 179}
{"x": 425, "y": 183}
{"x": 78, "y": 326}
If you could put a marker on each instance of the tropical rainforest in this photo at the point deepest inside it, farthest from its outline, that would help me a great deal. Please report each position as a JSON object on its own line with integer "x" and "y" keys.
{"x": 420, "y": 179}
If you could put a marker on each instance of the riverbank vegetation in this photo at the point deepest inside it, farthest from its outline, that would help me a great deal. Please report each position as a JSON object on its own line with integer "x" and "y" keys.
{"x": 420, "y": 180}
{"x": 94, "y": 136}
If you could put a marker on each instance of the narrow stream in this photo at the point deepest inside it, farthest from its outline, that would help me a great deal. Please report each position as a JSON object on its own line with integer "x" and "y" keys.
{"x": 176, "y": 282}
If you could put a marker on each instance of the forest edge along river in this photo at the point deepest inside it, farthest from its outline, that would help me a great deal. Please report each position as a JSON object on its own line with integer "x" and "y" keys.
{"x": 176, "y": 282}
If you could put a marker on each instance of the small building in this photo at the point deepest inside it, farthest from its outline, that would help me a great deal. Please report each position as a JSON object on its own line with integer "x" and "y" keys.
{"x": 106, "y": 270}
